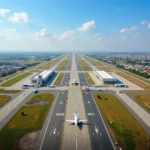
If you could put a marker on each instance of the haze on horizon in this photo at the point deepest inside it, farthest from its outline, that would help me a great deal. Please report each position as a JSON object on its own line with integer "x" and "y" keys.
{"x": 98, "y": 25}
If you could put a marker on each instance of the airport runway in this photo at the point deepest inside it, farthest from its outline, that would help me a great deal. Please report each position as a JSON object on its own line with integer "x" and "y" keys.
{"x": 51, "y": 134}
{"x": 99, "y": 135}
{"x": 83, "y": 81}
{"x": 75, "y": 138}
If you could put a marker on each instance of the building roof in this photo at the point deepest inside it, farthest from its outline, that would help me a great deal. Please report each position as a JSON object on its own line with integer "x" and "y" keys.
{"x": 43, "y": 74}
{"x": 105, "y": 75}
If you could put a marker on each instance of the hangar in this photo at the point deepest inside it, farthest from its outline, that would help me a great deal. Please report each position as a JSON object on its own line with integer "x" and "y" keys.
{"x": 42, "y": 78}
{"x": 105, "y": 77}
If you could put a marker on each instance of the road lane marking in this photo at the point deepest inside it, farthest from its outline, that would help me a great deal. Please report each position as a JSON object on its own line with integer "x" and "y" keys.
{"x": 76, "y": 144}
{"x": 96, "y": 130}
{"x": 48, "y": 122}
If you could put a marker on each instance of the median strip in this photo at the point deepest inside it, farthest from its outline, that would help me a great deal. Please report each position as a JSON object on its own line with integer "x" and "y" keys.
{"x": 59, "y": 79}
{"x": 16, "y": 79}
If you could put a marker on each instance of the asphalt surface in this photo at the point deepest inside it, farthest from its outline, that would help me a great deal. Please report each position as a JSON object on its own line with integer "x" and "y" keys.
{"x": 83, "y": 81}
{"x": 51, "y": 133}
{"x": 66, "y": 79}
{"x": 75, "y": 138}
{"x": 98, "y": 133}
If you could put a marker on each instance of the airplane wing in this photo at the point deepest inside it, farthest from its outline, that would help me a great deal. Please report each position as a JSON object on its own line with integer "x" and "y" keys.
{"x": 70, "y": 121}
{"x": 84, "y": 120}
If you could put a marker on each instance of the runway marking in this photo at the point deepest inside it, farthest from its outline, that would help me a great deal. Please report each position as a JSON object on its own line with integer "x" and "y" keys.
{"x": 60, "y": 102}
{"x": 48, "y": 123}
{"x": 96, "y": 130}
{"x": 76, "y": 144}
{"x": 90, "y": 114}
{"x": 54, "y": 131}
{"x": 59, "y": 114}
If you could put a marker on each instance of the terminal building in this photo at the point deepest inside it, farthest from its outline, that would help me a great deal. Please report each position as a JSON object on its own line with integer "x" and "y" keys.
{"x": 106, "y": 77}
{"x": 42, "y": 78}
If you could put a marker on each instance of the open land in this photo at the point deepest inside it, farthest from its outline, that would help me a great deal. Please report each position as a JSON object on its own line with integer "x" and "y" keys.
{"x": 16, "y": 79}
{"x": 89, "y": 79}
{"x": 127, "y": 131}
{"x": 20, "y": 125}
{"x": 59, "y": 78}
{"x": 4, "y": 99}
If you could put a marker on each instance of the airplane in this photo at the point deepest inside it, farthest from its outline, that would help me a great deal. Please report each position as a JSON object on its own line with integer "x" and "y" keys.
{"x": 76, "y": 120}
{"x": 74, "y": 82}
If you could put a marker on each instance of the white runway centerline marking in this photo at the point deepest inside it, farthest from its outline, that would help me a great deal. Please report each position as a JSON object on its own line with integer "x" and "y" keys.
{"x": 76, "y": 144}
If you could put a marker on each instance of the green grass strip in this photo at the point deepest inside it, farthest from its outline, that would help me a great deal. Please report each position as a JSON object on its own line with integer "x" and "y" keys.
{"x": 16, "y": 79}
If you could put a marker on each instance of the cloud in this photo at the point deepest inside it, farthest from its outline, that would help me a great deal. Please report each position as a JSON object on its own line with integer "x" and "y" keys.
{"x": 125, "y": 30}
{"x": 144, "y": 21}
{"x": 19, "y": 17}
{"x": 100, "y": 38}
{"x": 67, "y": 34}
{"x": 11, "y": 30}
{"x": 148, "y": 25}
{"x": 42, "y": 33}
{"x": 3, "y": 12}
{"x": 87, "y": 26}
{"x": 133, "y": 28}
{"x": 96, "y": 34}
{"x": 1, "y": 34}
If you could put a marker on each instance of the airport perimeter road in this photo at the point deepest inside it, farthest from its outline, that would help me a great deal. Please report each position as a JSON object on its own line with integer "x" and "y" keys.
{"x": 51, "y": 134}
{"x": 75, "y": 138}
{"x": 100, "y": 139}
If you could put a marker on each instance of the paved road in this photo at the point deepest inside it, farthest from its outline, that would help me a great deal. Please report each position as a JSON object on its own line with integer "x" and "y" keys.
{"x": 75, "y": 138}
{"x": 98, "y": 133}
{"x": 51, "y": 133}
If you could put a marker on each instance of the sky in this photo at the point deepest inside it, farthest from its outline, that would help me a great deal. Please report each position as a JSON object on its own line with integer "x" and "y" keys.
{"x": 75, "y": 25}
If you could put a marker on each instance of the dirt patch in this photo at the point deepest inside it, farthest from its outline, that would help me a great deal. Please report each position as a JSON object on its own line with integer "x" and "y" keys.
{"x": 28, "y": 141}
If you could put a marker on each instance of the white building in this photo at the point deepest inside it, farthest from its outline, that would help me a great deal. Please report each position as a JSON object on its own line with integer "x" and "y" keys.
{"x": 105, "y": 77}
{"x": 42, "y": 78}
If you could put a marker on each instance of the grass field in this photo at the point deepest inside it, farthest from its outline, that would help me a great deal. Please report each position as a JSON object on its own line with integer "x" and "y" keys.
{"x": 63, "y": 65}
{"x": 1, "y": 80}
{"x": 16, "y": 79}
{"x": 13, "y": 75}
{"x": 89, "y": 79}
{"x": 133, "y": 80}
{"x": 20, "y": 125}
{"x": 9, "y": 91}
{"x": 4, "y": 99}
{"x": 49, "y": 64}
{"x": 39, "y": 97}
{"x": 126, "y": 130}
{"x": 98, "y": 64}
{"x": 144, "y": 100}
{"x": 59, "y": 78}
{"x": 84, "y": 66}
